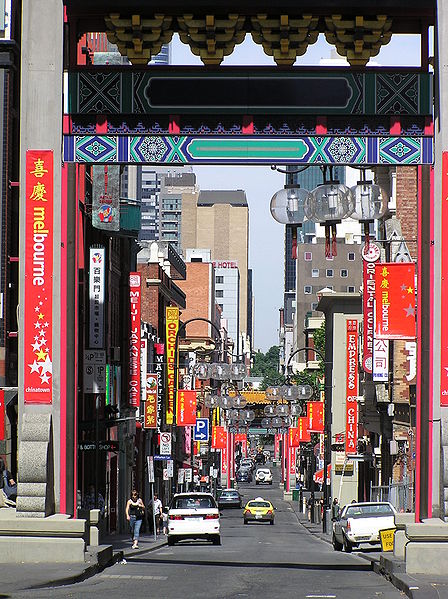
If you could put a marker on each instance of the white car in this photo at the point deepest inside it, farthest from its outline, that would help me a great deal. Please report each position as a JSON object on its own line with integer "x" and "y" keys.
{"x": 263, "y": 475}
{"x": 361, "y": 523}
{"x": 193, "y": 516}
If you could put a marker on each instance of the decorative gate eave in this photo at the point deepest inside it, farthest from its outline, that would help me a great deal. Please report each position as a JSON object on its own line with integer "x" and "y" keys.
{"x": 219, "y": 150}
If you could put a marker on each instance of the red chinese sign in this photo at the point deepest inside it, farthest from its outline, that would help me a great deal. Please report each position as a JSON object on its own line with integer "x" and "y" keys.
{"x": 300, "y": 433}
{"x": 239, "y": 437}
{"x": 150, "y": 414}
{"x": 351, "y": 406}
{"x": 186, "y": 408}
{"x": 134, "y": 339}
{"x": 292, "y": 460}
{"x": 395, "y": 300}
{"x": 219, "y": 437}
{"x": 224, "y": 462}
{"x": 315, "y": 412}
{"x": 444, "y": 287}
{"x": 368, "y": 298}
{"x": 38, "y": 309}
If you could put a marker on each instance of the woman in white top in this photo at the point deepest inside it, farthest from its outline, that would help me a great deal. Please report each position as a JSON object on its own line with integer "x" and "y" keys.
{"x": 135, "y": 510}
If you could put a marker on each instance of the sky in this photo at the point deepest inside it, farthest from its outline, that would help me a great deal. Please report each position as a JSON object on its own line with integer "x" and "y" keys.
{"x": 266, "y": 237}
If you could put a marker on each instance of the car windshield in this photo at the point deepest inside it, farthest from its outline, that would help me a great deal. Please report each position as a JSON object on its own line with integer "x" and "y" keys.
{"x": 229, "y": 494}
{"x": 192, "y": 502}
{"x": 258, "y": 504}
{"x": 363, "y": 511}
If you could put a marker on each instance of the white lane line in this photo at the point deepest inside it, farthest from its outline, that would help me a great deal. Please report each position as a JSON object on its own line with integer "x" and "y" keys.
{"x": 136, "y": 577}
{"x": 321, "y": 597}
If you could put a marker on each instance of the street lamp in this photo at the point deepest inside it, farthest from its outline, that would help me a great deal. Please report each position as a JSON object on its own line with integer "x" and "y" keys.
{"x": 288, "y": 208}
{"x": 370, "y": 203}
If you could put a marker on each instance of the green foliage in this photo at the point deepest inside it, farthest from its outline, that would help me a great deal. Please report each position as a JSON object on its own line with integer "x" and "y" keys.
{"x": 267, "y": 366}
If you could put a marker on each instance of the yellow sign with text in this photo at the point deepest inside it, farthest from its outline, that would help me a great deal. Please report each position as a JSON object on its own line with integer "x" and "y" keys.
{"x": 387, "y": 539}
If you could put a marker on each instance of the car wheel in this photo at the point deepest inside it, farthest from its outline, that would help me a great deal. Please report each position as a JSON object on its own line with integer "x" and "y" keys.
{"x": 271, "y": 522}
{"x": 246, "y": 522}
{"x": 337, "y": 546}
{"x": 256, "y": 482}
{"x": 270, "y": 482}
{"x": 347, "y": 545}
{"x": 171, "y": 541}
{"x": 216, "y": 540}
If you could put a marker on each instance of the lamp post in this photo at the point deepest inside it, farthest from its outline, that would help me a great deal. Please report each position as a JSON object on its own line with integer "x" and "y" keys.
{"x": 327, "y": 430}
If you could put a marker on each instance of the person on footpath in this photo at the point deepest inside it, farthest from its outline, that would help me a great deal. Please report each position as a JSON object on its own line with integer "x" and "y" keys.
{"x": 135, "y": 510}
{"x": 158, "y": 509}
{"x": 7, "y": 484}
{"x": 335, "y": 509}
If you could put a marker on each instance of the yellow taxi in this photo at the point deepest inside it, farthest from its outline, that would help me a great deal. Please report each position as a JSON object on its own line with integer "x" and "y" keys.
{"x": 258, "y": 510}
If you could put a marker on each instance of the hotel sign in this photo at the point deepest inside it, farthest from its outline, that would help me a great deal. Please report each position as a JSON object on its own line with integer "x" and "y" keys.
{"x": 38, "y": 284}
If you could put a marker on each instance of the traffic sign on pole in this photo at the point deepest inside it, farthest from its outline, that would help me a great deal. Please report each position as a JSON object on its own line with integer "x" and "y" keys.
{"x": 201, "y": 430}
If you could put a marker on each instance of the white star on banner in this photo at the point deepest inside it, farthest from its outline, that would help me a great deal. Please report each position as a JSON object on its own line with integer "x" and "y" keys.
{"x": 44, "y": 378}
{"x": 47, "y": 365}
{"x": 34, "y": 367}
{"x": 37, "y": 325}
{"x": 35, "y": 346}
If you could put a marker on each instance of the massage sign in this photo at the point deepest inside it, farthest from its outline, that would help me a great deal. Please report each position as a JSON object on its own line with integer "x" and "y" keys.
{"x": 351, "y": 405}
{"x": 38, "y": 293}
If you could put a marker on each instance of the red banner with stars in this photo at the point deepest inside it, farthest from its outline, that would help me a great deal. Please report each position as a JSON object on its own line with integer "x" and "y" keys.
{"x": 300, "y": 433}
{"x": 395, "y": 300}
{"x": 315, "y": 412}
{"x": 219, "y": 437}
{"x": 38, "y": 294}
{"x": 186, "y": 408}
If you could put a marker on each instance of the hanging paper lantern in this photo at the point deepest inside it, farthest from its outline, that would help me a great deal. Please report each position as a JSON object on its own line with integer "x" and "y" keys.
{"x": 370, "y": 204}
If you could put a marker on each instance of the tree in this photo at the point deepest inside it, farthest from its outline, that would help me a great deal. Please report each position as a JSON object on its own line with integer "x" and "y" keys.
{"x": 267, "y": 366}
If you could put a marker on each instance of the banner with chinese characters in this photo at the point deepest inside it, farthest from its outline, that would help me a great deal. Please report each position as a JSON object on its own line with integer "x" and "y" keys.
{"x": 134, "y": 340}
{"x": 292, "y": 460}
{"x": 172, "y": 326}
{"x": 224, "y": 462}
{"x": 97, "y": 259}
{"x": 150, "y": 420}
{"x": 395, "y": 300}
{"x": 276, "y": 446}
{"x": 38, "y": 283}
{"x": 351, "y": 404}
{"x": 219, "y": 437}
{"x": 300, "y": 433}
{"x": 186, "y": 408}
{"x": 106, "y": 197}
{"x": 370, "y": 257}
{"x": 315, "y": 413}
{"x": 380, "y": 360}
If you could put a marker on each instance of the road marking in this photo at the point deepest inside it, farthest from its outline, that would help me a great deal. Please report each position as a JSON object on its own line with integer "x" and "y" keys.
{"x": 129, "y": 576}
{"x": 321, "y": 597}
{"x": 414, "y": 588}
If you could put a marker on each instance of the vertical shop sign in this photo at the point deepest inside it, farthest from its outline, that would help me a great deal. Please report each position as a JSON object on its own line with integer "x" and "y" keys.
{"x": 370, "y": 256}
{"x": 135, "y": 338}
{"x": 97, "y": 259}
{"x": 380, "y": 360}
{"x": 186, "y": 408}
{"x": 38, "y": 284}
{"x": 292, "y": 460}
{"x": 150, "y": 411}
{"x": 395, "y": 300}
{"x": 159, "y": 370}
{"x": 224, "y": 463}
{"x": 172, "y": 326}
{"x": 351, "y": 406}
{"x": 444, "y": 287}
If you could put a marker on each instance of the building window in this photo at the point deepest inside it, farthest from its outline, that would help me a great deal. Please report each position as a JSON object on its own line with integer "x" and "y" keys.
{"x": 351, "y": 256}
{"x": 219, "y": 293}
{"x": 329, "y": 272}
{"x": 307, "y": 290}
{"x": 351, "y": 289}
{"x": 344, "y": 273}
{"x": 315, "y": 272}
{"x": 308, "y": 256}
{"x": 219, "y": 280}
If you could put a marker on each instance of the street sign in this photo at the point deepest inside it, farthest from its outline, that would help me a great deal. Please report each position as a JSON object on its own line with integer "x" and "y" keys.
{"x": 94, "y": 379}
{"x": 102, "y": 445}
{"x": 201, "y": 430}
{"x": 165, "y": 443}
{"x": 165, "y": 474}
{"x": 162, "y": 457}
{"x": 188, "y": 475}
{"x": 180, "y": 476}
{"x": 150, "y": 462}
{"x": 170, "y": 468}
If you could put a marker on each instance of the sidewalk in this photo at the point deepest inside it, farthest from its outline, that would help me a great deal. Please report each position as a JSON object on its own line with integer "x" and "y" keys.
{"x": 415, "y": 586}
{"x": 17, "y": 577}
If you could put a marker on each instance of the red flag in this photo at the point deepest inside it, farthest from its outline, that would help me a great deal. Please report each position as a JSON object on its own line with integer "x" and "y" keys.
{"x": 186, "y": 408}
{"x": 219, "y": 437}
{"x": 395, "y": 300}
{"x": 315, "y": 411}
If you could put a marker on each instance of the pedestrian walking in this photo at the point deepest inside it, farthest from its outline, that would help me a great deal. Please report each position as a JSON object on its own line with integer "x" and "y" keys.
{"x": 310, "y": 506}
{"x": 135, "y": 510}
{"x": 165, "y": 520}
{"x": 335, "y": 509}
{"x": 158, "y": 509}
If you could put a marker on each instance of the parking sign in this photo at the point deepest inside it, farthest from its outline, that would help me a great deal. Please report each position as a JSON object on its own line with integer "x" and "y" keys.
{"x": 201, "y": 430}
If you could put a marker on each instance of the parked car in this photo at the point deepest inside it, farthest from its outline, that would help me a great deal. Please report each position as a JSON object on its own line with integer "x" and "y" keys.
{"x": 193, "y": 516}
{"x": 229, "y": 498}
{"x": 244, "y": 475}
{"x": 260, "y": 458}
{"x": 361, "y": 523}
{"x": 263, "y": 475}
{"x": 258, "y": 510}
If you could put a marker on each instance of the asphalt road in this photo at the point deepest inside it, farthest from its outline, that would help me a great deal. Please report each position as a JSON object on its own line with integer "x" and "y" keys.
{"x": 255, "y": 561}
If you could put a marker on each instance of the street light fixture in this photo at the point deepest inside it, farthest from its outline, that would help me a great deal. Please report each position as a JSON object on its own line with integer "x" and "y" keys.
{"x": 370, "y": 203}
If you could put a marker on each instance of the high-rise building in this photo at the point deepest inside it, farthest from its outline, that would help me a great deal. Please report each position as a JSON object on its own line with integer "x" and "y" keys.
{"x": 219, "y": 220}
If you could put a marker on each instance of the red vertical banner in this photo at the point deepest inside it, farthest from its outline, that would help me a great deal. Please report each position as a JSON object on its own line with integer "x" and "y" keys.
{"x": 292, "y": 460}
{"x": 315, "y": 414}
{"x": 38, "y": 284}
{"x": 2, "y": 415}
{"x": 135, "y": 339}
{"x": 370, "y": 256}
{"x": 219, "y": 437}
{"x": 444, "y": 287}
{"x": 304, "y": 433}
{"x": 224, "y": 463}
{"x": 276, "y": 446}
{"x": 186, "y": 408}
{"x": 351, "y": 406}
{"x": 172, "y": 327}
{"x": 395, "y": 300}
